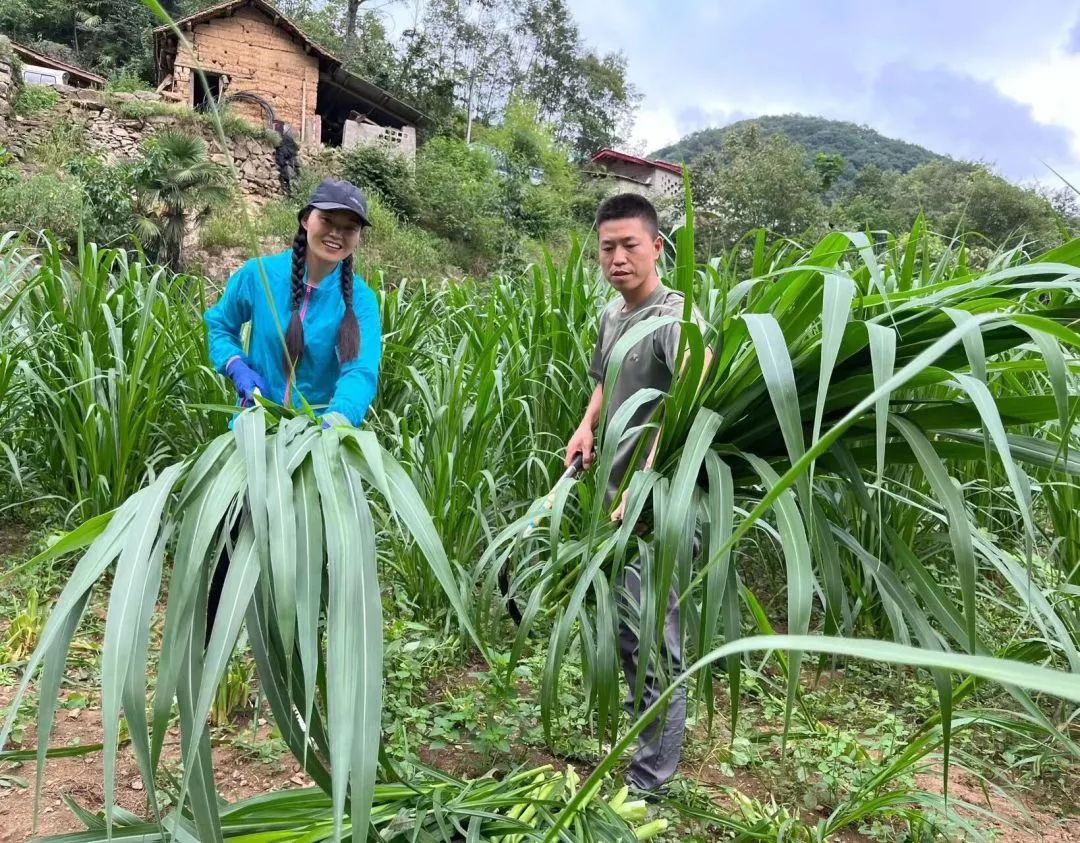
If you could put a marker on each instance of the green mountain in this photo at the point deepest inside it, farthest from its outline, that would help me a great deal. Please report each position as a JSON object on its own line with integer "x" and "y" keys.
{"x": 861, "y": 146}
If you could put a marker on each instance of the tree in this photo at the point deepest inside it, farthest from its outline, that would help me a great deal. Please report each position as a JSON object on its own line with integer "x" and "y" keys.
{"x": 586, "y": 95}
{"x": 175, "y": 183}
{"x": 460, "y": 193}
{"x": 540, "y": 181}
{"x": 492, "y": 52}
{"x": 829, "y": 167}
{"x": 953, "y": 196}
{"x": 102, "y": 35}
{"x": 756, "y": 181}
{"x": 600, "y": 109}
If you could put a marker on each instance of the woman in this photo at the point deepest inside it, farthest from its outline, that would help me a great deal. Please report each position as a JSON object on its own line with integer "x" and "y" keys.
{"x": 333, "y": 342}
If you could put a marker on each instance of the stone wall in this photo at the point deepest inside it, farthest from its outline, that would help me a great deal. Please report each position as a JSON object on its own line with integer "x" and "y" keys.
{"x": 7, "y": 79}
{"x": 118, "y": 138}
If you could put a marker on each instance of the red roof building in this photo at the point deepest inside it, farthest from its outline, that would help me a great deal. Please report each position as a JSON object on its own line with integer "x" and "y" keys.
{"x": 653, "y": 178}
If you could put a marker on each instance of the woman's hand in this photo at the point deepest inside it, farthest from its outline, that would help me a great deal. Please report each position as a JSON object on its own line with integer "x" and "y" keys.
{"x": 247, "y": 380}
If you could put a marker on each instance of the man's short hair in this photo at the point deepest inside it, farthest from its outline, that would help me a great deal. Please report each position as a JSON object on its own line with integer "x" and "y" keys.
{"x": 628, "y": 206}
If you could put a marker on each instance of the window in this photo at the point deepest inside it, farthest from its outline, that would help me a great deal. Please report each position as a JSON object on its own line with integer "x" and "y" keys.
{"x": 204, "y": 95}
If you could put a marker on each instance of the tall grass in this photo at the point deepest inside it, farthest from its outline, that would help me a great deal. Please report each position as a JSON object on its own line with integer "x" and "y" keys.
{"x": 875, "y": 418}
{"x": 481, "y": 382}
{"x": 104, "y": 359}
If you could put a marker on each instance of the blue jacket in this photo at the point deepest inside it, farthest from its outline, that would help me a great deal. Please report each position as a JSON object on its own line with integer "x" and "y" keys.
{"x": 321, "y": 379}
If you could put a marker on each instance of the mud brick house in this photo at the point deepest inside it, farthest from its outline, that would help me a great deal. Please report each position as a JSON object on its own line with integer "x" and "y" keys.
{"x": 265, "y": 67}
{"x": 652, "y": 178}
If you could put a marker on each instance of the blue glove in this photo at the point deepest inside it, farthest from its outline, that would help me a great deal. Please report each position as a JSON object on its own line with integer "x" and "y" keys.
{"x": 247, "y": 380}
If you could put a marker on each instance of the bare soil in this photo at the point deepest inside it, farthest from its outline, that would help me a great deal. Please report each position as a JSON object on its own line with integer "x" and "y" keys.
{"x": 1024, "y": 821}
{"x": 81, "y": 779}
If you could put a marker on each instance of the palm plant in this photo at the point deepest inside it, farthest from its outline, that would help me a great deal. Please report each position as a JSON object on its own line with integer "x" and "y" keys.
{"x": 175, "y": 184}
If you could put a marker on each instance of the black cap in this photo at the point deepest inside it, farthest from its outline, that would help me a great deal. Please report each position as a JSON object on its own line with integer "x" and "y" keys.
{"x": 333, "y": 195}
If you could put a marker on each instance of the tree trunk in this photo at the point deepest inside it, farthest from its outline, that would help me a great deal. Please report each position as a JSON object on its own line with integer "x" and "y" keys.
{"x": 350, "y": 22}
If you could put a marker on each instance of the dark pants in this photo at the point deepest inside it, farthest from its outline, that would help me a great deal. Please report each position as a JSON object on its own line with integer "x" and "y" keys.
{"x": 217, "y": 582}
{"x": 660, "y": 744}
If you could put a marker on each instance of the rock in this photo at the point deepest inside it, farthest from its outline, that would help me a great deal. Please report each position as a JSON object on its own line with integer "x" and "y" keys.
{"x": 298, "y": 780}
{"x": 75, "y": 712}
{"x": 137, "y": 783}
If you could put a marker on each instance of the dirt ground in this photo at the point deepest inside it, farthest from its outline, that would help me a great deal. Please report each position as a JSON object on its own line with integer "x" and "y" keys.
{"x": 81, "y": 779}
{"x": 1034, "y": 825}
{"x": 240, "y": 775}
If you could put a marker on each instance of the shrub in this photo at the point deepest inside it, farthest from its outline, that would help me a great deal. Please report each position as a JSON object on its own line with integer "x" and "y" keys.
{"x": 32, "y": 99}
{"x": 225, "y": 227}
{"x": 540, "y": 181}
{"x": 324, "y": 164}
{"x": 278, "y": 219}
{"x": 399, "y": 249}
{"x": 44, "y": 201}
{"x": 141, "y": 109}
{"x": 109, "y": 214}
{"x": 459, "y": 193}
{"x": 65, "y": 139}
{"x": 8, "y": 174}
{"x": 235, "y": 126}
{"x": 383, "y": 175}
{"x": 126, "y": 81}
{"x": 232, "y": 124}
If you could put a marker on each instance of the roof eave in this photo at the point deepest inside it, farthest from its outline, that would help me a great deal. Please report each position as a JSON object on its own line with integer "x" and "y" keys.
{"x": 377, "y": 96}
{"x": 61, "y": 65}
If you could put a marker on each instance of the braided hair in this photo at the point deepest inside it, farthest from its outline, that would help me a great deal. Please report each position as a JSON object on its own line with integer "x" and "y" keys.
{"x": 348, "y": 339}
{"x": 294, "y": 334}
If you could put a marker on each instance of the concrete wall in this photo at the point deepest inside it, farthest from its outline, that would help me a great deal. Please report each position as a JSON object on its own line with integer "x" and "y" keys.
{"x": 258, "y": 58}
{"x": 667, "y": 184}
{"x": 626, "y": 170}
{"x": 397, "y": 141}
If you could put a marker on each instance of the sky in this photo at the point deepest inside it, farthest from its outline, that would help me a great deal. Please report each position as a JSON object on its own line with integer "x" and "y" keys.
{"x": 994, "y": 80}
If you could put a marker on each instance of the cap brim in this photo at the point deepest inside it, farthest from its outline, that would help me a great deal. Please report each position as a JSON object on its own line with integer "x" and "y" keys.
{"x": 338, "y": 206}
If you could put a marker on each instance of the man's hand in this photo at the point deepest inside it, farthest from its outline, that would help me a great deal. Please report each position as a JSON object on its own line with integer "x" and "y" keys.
{"x": 580, "y": 443}
{"x": 620, "y": 510}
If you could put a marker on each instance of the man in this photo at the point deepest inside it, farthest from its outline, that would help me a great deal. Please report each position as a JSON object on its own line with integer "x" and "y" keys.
{"x": 630, "y": 245}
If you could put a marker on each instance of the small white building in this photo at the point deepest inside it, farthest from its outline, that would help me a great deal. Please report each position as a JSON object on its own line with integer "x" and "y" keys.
{"x": 654, "y": 179}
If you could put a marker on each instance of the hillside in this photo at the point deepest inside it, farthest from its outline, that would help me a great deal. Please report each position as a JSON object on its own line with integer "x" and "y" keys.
{"x": 861, "y": 146}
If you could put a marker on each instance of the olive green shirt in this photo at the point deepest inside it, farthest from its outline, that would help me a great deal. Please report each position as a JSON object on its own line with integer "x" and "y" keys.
{"x": 649, "y": 364}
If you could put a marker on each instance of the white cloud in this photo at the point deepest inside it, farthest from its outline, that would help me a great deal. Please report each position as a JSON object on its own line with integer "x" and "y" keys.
{"x": 1050, "y": 86}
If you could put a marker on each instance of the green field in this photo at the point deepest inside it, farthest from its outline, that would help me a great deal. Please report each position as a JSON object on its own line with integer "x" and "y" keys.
{"x": 880, "y": 463}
